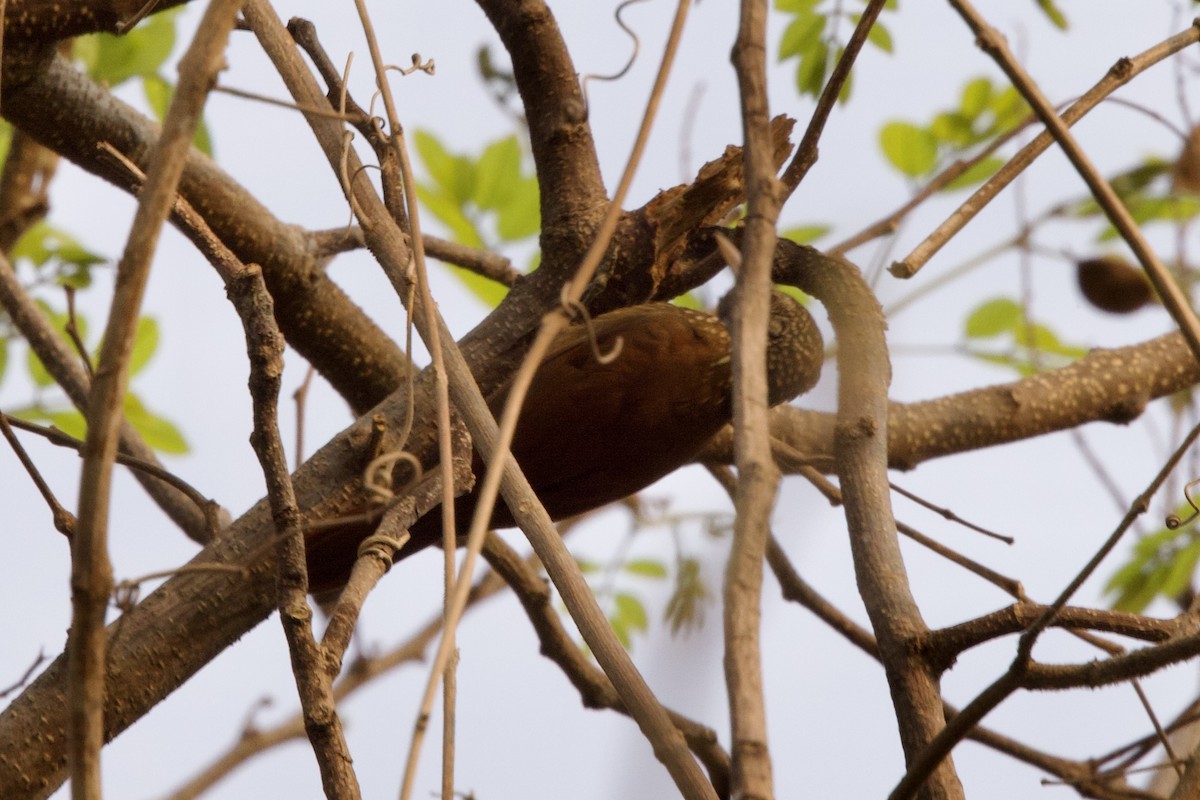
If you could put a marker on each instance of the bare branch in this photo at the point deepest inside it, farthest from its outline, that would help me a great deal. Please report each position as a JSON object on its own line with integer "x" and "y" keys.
{"x": 91, "y": 571}
{"x": 860, "y": 446}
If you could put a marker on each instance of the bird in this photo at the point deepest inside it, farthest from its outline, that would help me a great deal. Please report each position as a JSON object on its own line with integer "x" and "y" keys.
{"x": 595, "y": 430}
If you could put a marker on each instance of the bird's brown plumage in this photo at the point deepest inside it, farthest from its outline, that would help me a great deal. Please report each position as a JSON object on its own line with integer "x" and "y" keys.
{"x": 591, "y": 433}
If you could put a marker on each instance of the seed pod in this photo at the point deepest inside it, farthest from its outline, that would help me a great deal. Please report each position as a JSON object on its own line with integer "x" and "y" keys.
{"x": 1111, "y": 284}
{"x": 1185, "y": 176}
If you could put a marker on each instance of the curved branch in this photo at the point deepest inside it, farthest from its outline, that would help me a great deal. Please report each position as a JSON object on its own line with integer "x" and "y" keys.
{"x": 942, "y": 647}
{"x": 860, "y": 450}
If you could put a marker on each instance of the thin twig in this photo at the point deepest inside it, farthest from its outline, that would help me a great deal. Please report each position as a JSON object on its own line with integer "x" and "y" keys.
{"x": 758, "y": 475}
{"x": 832, "y": 493}
{"x": 72, "y": 330}
{"x": 443, "y": 664}
{"x": 1021, "y": 667}
{"x": 652, "y": 719}
{"x": 948, "y": 514}
{"x": 807, "y": 152}
{"x": 64, "y": 367}
{"x": 210, "y": 508}
{"x": 264, "y": 344}
{"x": 64, "y": 521}
{"x": 1177, "y": 304}
{"x": 91, "y": 571}
{"x": 1118, "y": 75}
{"x": 323, "y": 111}
{"x": 25, "y": 676}
{"x": 300, "y": 396}
{"x": 796, "y": 590}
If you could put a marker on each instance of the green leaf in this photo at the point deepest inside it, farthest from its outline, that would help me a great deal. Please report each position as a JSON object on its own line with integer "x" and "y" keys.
{"x": 848, "y": 84}
{"x": 1135, "y": 180}
{"x": 910, "y": 149}
{"x": 140, "y": 52}
{"x": 685, "y": 609}
{"x": 977, "y": 173}
{"x": 1125, "y": 576}
{"x": 1161, "y": 563}
{"x": 450, "y": 213}
{"x": 37, "y": 371}
{"x": 879, "y": 36}
{"x": 521, "y": 216}
{"x": 453, "y": 174}
{"x": 975, "y": 97}
{"x": 5, "y": 139}
{"x": 3, "y": 356}
{"x": 45, "y": 245}
{"x": 688, "y": 300}
{"x": 159, "y": 433}
{"x": 646, "y": 568}
{"x": 1138, "y": 593}
{"x": 1022, "y": 366}
{"x": 1182, "y": 568}
{"x": 806, "y": 234}
{"x": 1171, "y": 209}
{"x": 801, "y": 35}
{"x": 496, "y": 173}
{"x": 69, "y": 421}
{"x": 810, "y": 74}
{"x": 58, "y": 320}
{"x": 1152, "y": 544}
{"x": 145, "y": 342}
{"x": 1055, "y": 15}
{"x": 796, "y": 6}
{"x": 1040, "y": 337}
{"x": 954, "y": 129}
{"x": 158, "y": 95}
{"x": 993, "y": 318}
{"x": 1009, "y": 109}
{"x": 622, "y": 631}
{"x": 794, "y": 293}
{"x": 631, "y": 611}
{"x": 489, "y": 292}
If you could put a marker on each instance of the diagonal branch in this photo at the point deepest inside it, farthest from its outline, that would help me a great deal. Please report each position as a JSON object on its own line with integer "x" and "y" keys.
{"x": 60, "y": 107}
{"x": 91, "y": 570}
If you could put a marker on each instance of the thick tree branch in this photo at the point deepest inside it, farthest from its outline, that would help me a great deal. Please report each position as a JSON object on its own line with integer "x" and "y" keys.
{"x": 572, "y": 190}
{"x": 60, "y": 107}
{"x": 1108, "y": 385}
{"x": 49, "y": 21}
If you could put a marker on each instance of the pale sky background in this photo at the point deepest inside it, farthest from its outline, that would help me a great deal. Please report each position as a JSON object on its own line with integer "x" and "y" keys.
{"x": 522, "y": 732}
